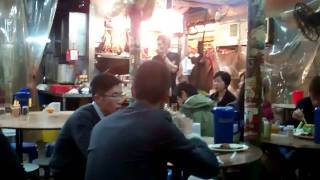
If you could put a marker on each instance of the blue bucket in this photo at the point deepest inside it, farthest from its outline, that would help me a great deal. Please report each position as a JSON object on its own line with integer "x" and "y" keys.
{"x": 224, "y": 118}
{"x": 23, "y": 96}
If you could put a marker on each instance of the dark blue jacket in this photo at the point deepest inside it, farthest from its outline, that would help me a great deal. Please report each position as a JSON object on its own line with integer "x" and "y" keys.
{"x": 70, "y": 153}
{"x": 138, "y": 141}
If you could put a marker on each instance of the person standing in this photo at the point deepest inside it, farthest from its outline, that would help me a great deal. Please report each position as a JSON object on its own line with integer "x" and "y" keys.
{"x": 137, "y": 142}
{"x": 170, "y": 59}
{"x": 70, "y": 152}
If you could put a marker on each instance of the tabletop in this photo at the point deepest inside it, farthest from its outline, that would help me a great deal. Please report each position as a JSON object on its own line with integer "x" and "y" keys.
{"x": 35, "y": 120}
{"x": 291, "y": 141}
{"x": 68, "y": 95}
{"x": 284, "y": 106}
{"x": 237, "y": 158}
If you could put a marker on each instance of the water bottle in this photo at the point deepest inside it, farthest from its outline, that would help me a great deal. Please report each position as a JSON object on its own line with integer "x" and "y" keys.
{"x": 317, "y": 125}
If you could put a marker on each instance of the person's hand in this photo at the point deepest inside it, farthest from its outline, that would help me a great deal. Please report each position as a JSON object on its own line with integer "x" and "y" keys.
{"x": 186, "y": 125}
{"x": 167, "y": 61}
{"x": 172, "y": 67}
{"x": 182, "y": 122}
{"x": 298, "y": 115}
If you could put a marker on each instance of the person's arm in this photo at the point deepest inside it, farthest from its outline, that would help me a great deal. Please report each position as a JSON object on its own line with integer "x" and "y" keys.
{"x": 172, "y": 67}
{"x": 180, "y": 77}
{"x": 192, "y": 155}
{"x": 298, "y": 112}
{"x": 81, "y": 131}
{"x": 9, "y": 163}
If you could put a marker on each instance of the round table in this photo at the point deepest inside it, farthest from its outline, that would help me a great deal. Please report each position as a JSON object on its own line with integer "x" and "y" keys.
{"x": 237, "y": 158}
{"x": 40, "y": 120}
{"x": 291, "y": 141}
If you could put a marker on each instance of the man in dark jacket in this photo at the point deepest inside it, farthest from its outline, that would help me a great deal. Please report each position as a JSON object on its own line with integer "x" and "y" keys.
{"x": 138, "y": 141}
{"x": 70, "y": 152}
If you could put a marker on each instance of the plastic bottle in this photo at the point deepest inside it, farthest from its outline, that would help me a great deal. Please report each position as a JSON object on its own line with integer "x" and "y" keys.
{"x": 266, "y": 128}
{"x": 317, "y": 125}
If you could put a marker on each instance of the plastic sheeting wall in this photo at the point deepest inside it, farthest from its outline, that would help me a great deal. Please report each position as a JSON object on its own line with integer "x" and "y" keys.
{"x": 24, "y": 29}
{"x": 291, "y": 62}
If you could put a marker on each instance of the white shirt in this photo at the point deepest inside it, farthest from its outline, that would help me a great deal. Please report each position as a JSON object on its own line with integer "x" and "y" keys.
{"x": 98, "y": 110}
{"x": 187, "y": 66}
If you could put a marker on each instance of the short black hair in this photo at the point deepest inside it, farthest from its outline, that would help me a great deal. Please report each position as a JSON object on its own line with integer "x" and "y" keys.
{"x": 103, "y": 83}
{"x": 151, "y": 81}
{"x": 226, "y": 78}
{"x": 314, "y": 87}
{"x": 164, "y": 39}
{"x": 186, "y": 87}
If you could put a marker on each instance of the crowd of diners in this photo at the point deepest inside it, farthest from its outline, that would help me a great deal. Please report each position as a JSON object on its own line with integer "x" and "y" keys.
{"x": 104, "y": 140}
{"x": 135, "y": 142}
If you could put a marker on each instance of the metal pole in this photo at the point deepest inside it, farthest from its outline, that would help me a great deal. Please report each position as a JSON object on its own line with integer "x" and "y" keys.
{"x": 135, "y": 52}
{"x": 253, "y": 81}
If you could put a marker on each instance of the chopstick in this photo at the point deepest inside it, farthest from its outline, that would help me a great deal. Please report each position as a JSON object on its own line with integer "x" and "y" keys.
{"x": 219, "y": 160}
{"x": 233, "y": 155}
{"x": 304, "y": 120}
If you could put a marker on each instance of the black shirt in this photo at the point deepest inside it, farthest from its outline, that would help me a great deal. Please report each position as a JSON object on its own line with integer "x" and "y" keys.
{"x": 137, "y": 142}
{"x": 175, "y": 59}
{"x": 70, "y": 152}
{"x": 227, "y": 98}
{"x": 306, "y": 106}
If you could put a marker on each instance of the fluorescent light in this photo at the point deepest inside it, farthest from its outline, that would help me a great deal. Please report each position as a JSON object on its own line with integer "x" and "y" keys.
{"x": 39, "y": 40}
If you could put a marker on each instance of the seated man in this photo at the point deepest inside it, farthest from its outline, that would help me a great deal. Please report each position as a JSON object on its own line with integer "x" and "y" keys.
{"x": 138, "y": 141}
{"x": 196, "y": 106}
{"x": 70, "y": 153}
{"x": 305, "y": 107}
{"x": 305, "y": 111}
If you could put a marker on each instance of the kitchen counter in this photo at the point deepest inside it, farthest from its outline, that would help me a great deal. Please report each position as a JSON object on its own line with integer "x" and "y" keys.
{"x": 63, "y": 98}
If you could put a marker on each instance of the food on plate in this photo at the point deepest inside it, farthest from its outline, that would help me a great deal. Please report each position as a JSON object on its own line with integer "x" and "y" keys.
{"x": 306, "y": 134}
{"x": 305, "y": 129}
{"x": 230, "y": 146}
{"x": 50, "y": 109}
{"x": 225, "y": 146}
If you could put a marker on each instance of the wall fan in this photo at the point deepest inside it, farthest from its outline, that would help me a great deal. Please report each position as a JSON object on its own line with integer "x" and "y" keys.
{"x": 308, "y": 21}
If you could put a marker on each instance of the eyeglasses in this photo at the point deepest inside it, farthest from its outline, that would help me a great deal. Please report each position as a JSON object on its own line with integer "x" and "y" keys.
{"x": 115, "y": 95}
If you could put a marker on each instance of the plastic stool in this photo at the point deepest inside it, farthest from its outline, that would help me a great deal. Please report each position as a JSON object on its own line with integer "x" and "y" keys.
{"x": 28, "y": 148}
{"x": 32, "y": 170}
{"x": 169, "y": 176}
{"x": 49, "y": 149}
{"x": 43, "y": 163}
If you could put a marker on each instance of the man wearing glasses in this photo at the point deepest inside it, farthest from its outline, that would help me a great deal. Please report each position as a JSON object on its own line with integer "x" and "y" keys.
{"x": 70, "y": 153}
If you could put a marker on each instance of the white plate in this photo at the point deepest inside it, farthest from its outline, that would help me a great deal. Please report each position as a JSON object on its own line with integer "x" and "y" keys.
{"x": 233, "y": 147}
{"x": 299, "y": 135}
